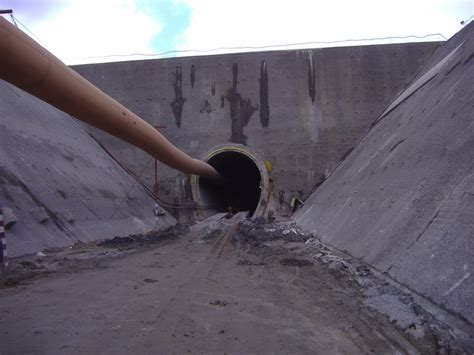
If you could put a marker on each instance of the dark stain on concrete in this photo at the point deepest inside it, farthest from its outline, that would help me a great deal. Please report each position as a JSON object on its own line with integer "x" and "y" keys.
{"x": 205, "y": 107}
{"x": 178, "y": 102}
{"x": 62, "y": 193}
{"x": 193, "y": 75}
{"x": 213, "y": 88}
{"x": 222, "y": 101}
{"x": 241, "y": 110}
{"x": 68, "y": 158}
{"x": 264, "y": 107}
{"x": 107, "y": 194}
{"x": 311, "y": 77}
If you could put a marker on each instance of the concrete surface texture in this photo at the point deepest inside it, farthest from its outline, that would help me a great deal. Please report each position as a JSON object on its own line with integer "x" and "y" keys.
{"x": 403, "y": 200}
{"x": 57, "y": 184}
{"x": 302, "y": 110}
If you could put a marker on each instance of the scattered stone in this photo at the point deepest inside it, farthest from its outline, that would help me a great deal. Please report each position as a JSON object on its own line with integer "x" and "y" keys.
{"x": 261, "y": 232}
{"x": 155, "y": 237}
{"x": 313, "y": 242}
{"x": 339, "y": 265}
{"x": 219, "y": 303}
{"x": 363, "y": 270}
{"x": 40, "y": 254}
{"x": 259, "y": 221}
{"x": 319, "y": 255}
{"x": 211, "y": 231}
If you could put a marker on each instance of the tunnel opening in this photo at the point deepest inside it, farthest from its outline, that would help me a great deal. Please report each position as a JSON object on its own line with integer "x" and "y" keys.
{"x": 239, "y": 190}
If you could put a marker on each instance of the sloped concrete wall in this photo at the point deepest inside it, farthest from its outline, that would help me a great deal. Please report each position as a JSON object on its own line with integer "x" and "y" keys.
{"x": 58, "y": 182}
{"x": 301, "y": 110}
{"x": 403, "y": 200}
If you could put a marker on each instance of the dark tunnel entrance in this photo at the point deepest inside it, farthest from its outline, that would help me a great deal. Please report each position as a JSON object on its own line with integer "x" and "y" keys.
{"x": 241, "y": 188}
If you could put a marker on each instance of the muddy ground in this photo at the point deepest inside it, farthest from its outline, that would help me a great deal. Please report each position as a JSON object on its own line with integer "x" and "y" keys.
{"x": 221, "y": 286}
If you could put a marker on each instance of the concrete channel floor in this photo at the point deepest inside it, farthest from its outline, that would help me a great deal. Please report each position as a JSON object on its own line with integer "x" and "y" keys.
{"x": 219, "y": 294}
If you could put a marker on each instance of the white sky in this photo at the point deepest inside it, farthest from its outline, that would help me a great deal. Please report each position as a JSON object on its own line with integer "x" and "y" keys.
{"x": 79, "y": 30}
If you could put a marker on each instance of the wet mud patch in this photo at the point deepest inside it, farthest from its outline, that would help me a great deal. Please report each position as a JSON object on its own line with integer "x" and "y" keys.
{"x": 84, "y": 256}
{"x": 152, "y": 238}
{"x": 150, "y": 281}
{"x": 295, "y": 262}
{"x": 247, "y": 262}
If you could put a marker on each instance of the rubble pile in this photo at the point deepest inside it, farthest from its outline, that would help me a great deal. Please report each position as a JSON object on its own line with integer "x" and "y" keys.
{"x": 261, "y": 230}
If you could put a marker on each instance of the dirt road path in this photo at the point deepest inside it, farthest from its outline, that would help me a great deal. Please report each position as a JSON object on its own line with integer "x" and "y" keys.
{"x": 223, "y": 295}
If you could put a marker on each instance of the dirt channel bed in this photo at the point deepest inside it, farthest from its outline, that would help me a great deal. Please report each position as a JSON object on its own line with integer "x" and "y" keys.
{"x": 222, "y": 286}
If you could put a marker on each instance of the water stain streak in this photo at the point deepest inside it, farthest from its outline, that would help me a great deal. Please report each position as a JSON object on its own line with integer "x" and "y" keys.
{"x": 178, "y": 102}
{"x": 264, "y": 107}
{"x": 241, "y": 110}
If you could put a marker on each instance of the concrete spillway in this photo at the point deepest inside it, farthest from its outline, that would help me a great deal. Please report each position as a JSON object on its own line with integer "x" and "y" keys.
{"x": 377, "y": 140}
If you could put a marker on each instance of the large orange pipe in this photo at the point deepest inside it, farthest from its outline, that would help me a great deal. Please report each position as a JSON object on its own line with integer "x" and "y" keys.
{"x": 27, "y": 65}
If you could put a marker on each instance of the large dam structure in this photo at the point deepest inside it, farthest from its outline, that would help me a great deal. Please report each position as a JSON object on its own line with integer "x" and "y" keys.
{"x": 342, "y": 220}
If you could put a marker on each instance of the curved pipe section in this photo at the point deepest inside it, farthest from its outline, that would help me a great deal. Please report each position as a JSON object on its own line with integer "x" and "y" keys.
{"x": 27, "y": 65}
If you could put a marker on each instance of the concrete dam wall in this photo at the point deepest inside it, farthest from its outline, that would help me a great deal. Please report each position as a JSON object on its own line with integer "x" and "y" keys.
{"x": 58, "y": 187}
{"x": 300, "y": 111}
{"x": 403, "y": 200}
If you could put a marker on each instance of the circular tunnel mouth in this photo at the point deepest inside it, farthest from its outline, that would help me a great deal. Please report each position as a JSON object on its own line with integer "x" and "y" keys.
{"x": 239, "y": 190}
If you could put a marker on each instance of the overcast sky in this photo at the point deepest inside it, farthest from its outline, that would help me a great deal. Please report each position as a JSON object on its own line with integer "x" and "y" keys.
{"x": 81, "y": 31}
